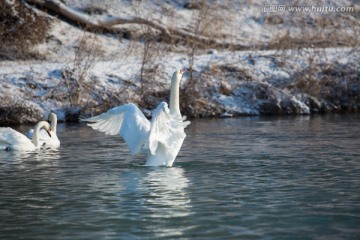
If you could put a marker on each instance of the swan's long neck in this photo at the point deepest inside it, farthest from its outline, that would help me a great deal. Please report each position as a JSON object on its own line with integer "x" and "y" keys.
{"x": 35, "y": 138}
{"x": 174, "y": 95}
{"x": 53, "y": 121}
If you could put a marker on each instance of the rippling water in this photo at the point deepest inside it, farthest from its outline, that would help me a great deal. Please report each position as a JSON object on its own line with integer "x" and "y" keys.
{"x": 273, "y": 178}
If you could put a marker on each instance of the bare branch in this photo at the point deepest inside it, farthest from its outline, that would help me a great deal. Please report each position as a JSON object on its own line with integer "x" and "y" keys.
{"x": 107, "y": 26}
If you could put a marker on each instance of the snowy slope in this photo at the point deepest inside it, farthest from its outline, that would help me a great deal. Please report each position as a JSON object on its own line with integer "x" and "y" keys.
{"x": 225, "y": 82}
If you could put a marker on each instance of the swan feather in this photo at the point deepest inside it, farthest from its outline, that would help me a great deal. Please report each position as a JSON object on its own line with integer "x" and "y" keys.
{"x": 127, "y": 121}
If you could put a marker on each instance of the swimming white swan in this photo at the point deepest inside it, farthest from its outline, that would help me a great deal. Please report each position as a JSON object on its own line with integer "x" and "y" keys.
{"x": 13, "y": 140}
{"x": 52, "y": 141}
{"x": 160, "y": 139}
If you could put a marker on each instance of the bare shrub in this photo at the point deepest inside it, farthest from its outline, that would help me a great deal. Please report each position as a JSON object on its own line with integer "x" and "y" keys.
{"x": 15, "y": 111}
{"x": 274, "y": 19}
{"x": 20, "y": 28}
{"x": 317, "y": 29}
{"x": 196, "y": 100}
{"x": 341, "y": 86}
{"x": 336, "y": 86}
{"x": 93, "y": 9}
{"x": 328, "y": 85}
{"x": 234, "y": 72}
{"x": 87, "y": 53}
{"x": 305, "y": 81}
{"x": 151, "y": 51}
{"x": 207, "y": 20}
{"x": 147, "y": 69}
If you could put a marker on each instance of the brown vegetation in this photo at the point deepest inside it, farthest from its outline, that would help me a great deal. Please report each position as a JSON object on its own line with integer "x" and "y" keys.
{"x": 332, "y": 87}
{"x": 18, "y": 112}
{"x": 162, "y": 33}
{"x": 20, "y": 29}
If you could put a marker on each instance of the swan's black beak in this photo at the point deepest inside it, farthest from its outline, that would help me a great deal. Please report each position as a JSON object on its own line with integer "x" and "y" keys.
{"x": 48, "y": 132}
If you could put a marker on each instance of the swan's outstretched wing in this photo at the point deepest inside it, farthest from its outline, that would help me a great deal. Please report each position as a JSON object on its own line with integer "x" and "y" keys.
{"x": 166, "y": 128}
{"x": 9, "y": 138}
{"x": 127, "y": 121}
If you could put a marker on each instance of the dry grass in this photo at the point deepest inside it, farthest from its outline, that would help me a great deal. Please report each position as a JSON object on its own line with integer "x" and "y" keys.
{"x": 336, "y": 86}
{"x": 87, "y": 52}
{"x": 208, "y": 20}
{"x": 315, "y": 30}
{"x": 20, "y": 29}
{"x": 14, "y": 111}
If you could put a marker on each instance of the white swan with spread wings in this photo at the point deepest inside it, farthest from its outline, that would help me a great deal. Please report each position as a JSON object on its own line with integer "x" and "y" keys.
{"x": 161, "y": 138}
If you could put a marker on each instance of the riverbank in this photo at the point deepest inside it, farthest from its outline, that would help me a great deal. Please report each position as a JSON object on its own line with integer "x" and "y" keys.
{"x": 224, "y": 84}
{"x": 287, "y": 68}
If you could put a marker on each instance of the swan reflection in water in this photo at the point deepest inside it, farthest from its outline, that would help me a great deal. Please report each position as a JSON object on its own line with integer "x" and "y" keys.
{"x": 143, "y": 198}
{"x": 30, "y": 160}
{"x": 167, "y": 198}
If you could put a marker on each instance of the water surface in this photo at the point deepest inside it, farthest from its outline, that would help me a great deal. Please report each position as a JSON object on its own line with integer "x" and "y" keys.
{"x": 253, "y": 177}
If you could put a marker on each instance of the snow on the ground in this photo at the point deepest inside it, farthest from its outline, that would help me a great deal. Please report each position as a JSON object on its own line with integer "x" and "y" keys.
{"x": 227, "y": 83}
{"x": 45, "y": 85}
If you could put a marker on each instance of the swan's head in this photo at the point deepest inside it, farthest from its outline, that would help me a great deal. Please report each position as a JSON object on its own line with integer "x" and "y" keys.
{"x": 42, "y": 125}
{"x": 178, "y": 74}
{"x": 52, "y": 117}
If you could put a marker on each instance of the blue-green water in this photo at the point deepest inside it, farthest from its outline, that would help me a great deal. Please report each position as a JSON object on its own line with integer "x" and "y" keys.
{"x": 250, "y": 178}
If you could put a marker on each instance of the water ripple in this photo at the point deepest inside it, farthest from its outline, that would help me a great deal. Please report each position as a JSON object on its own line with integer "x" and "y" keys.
{"x": 275, "y": 178}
